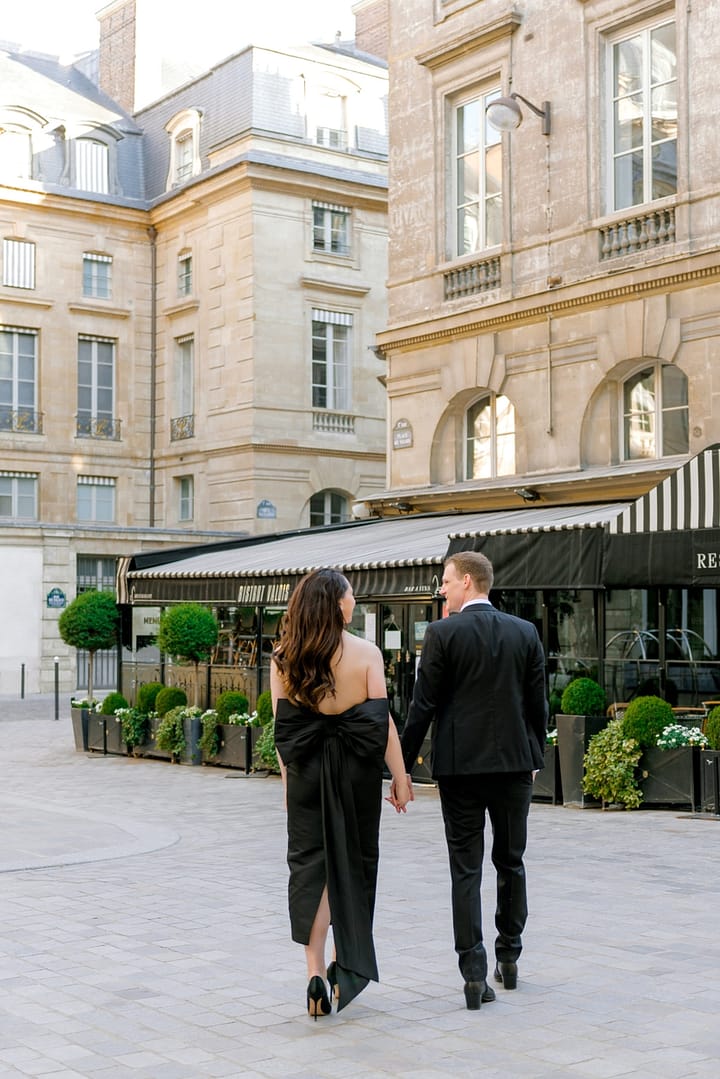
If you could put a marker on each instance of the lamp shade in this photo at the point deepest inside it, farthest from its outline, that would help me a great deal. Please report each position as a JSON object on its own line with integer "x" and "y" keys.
{"x": 504, "y": 114}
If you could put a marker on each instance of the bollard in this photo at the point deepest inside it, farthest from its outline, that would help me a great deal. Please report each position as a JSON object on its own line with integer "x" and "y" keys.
{"x": 56, "y": 661}
{"x": 22, "y": 681}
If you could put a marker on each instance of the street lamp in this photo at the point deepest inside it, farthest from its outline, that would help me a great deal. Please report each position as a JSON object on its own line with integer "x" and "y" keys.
{"x": 504, "y": 113}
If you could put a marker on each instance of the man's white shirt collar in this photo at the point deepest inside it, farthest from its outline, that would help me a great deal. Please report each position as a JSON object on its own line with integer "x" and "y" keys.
{"x": 475, "y": 602}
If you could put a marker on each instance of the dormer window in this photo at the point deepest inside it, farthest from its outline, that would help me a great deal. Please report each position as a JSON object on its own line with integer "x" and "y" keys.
{"x": 184, "y": 132}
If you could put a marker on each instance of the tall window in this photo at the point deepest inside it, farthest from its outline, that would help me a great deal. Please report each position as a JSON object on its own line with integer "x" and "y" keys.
{"x": 655, "y": 411}
{"x": 490, "y": 438}
{"x": 182, "y": 424}
{"x": 18, "y": 264}
{"x": 185, "y": 274}
{"x": 18, "y": 496}
{"x": 92, "y": 166}
{"x": 97, "y": 275}
{"x": 15, "y": 154}
{"x": 477, "y": 195}
{"x": 331, "y": 373}
{"x": 329, "y": 115}
{"x": 328, "y": 508}
{"x": 95, "y": 498}
{"x": 96, "y": 388}
{"x": 643, "y": 93}
{"x": 331, "y": 228}
{"x": 184, "y": 132}
{"x": 94, "y": 572}
{"x": 18, "y": 382}
{"x": 186, "y": 498}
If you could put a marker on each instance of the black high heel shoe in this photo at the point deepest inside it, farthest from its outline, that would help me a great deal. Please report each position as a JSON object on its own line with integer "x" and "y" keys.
{"x": 332, "y": 979}
{"x": 317, "y": 998}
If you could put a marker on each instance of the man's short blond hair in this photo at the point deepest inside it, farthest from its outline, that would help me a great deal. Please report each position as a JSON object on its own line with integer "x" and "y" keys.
{"x": 477, "y": 566}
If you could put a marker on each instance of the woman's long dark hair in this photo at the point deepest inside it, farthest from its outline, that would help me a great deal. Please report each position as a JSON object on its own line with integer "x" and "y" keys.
{"x": 310, "y": 635}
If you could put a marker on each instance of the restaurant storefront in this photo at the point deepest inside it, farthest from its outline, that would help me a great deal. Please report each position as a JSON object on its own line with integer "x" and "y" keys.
{"x": 625, "y": 592}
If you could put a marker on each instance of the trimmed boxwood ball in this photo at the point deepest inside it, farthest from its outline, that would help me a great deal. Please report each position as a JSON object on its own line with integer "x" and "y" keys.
{"x": 712, "y": 728}
{"x": 264, "y": 708}
{"x": 169, "y": 697}
{"x": 147, "y": 696}
{"x": 230, "y": 702}
{"x": 583, "y": 697}
{"x": 646, "y": 718}
{"x": 112, "y": 702}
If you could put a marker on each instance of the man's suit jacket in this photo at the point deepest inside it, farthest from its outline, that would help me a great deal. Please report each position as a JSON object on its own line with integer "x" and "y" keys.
{"x": 481, "y": 678}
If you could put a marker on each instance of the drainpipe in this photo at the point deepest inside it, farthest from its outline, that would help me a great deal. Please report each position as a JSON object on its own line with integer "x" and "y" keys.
{"x": 152, "y": 233}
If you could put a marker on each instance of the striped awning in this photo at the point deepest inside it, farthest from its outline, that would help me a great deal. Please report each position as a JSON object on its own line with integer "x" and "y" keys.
{"x": 687, "y": 499}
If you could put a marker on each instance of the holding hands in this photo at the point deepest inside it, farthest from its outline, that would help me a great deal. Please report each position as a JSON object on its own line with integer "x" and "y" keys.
{"x": 401, "y": 792}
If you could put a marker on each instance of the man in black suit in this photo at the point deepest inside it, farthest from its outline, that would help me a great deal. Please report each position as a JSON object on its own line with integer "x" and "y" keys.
{"x": 481, "y": 679}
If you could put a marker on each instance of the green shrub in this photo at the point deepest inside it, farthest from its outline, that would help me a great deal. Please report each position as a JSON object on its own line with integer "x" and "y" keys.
{"x": 170, "y": 735}
{"x": 147, "y": 695}
{"x": 264, "y": 708}
{"x": 645, "y": 719}
{"x": 209, "y": 741}
{"x": 610, "y": 764}
{"x": 229, "y": 702}
{"x": 134, "y": 727}
{"x": 555, "y": 702}
{"x": 265, "y": 748}
{"x": 583, "y": 697}
{"x": 112, "y": 702}
{"x": 169, "y": 697}
{"x": 712, "y": 728}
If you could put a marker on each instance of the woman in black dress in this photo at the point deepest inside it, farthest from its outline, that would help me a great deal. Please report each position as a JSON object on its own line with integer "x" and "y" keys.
{"x": 332, "y": 732}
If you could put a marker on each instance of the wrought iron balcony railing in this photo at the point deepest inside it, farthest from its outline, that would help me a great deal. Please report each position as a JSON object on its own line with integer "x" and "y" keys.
{"x": 21, "y": 420}
{"x": 104, "y": 427}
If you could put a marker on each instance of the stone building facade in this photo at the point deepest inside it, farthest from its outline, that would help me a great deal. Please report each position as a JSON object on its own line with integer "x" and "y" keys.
{"x": 188, "y": 300}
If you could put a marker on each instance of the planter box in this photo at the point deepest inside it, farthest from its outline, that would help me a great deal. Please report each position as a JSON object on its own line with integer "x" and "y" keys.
{"x": 80, "y": 728}
{"x": 547, "y": 786}
{"x": 671, "y": 776}
{"x": 105, "y": 735}
{"x": 235, "y": 747}
{"x": 710, "y": 781}
{"x": 192, "y": 754}
{"x": 574, "y": 734}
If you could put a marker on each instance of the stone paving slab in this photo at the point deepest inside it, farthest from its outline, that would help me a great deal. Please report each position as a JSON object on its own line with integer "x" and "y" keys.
{"x": 144, "y": 933}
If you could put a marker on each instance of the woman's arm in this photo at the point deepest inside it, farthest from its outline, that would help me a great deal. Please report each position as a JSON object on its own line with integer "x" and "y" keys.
{"x": 277, "y": 690}
{"x": 401, "y": 789}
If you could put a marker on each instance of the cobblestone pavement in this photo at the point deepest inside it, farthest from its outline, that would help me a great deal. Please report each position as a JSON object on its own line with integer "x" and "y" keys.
{"x": 144, "y": 933}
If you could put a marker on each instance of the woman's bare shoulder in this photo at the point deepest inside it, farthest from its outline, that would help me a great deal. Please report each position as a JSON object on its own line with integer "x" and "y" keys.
{"x": 359, "y": 645}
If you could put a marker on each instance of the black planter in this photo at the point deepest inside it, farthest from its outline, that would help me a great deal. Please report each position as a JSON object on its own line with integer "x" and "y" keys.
{"x": 547, "y": 786}
{"x": 671, "y": 776}
{"x": 80, "y": 728}
{"x": 234, "y": 751}
{"x": 105, "y": 735}
{"x": 710, "y": 781}
{"x": 574, "y": 734}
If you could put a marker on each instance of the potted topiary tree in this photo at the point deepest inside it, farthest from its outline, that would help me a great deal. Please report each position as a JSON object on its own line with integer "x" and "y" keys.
{"x": 582, "y": 715}
{"x": 669, "y": 765}
{"x": 90, "y": 622}
{"x": 188, "y": 633}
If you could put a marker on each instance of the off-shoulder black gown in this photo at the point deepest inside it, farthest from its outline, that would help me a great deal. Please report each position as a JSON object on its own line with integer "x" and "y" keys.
{"x": 334, "y": 796}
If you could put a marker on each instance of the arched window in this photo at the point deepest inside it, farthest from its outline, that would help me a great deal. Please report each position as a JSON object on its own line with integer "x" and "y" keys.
{"x": 490, "y": 438}
{"x": 15, "y": 154}
{"x": 184, "y": 132}
{"x": 655, "y": 413}
{"x": 328, "y": 508}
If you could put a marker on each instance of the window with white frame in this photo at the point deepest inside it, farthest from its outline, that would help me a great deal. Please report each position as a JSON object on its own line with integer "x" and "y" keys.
{"x": 97, "y": 275}
{"x": 185, "y": 274}
{"x": 95, "y": 573}
{"x": 182, "y": 424}
{"x": 18, "y": 380}
{"x": 328, "y": 508}
{"x": 642, "y": 97}
{"x": 18, "y": 496}
{"x": 184, "y": 132}
{"x": 186, "y": 498}
{"x": 18, "y": 264}
{"x": 96, "y": 388}
{"x": 327, "y": 116}
{"x": 655, "y": 413}
{"x": 92, "y": 165}
{"x": 95, "y": 498}
{"x": 477, "y": 178}
{"x": 331, "y": 369}
{"x": 15, "y": 153}
{"x": 331, "y": 228}
{"x": 490, "y": 437}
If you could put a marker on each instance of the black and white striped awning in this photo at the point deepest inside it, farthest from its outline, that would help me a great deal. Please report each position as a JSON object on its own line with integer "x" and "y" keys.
{"x": 688, "y": 499}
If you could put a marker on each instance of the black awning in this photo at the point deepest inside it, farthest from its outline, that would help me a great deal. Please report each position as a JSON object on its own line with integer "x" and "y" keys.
{"x": 561, "y": 559}
{"x": 681, "y": 559}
